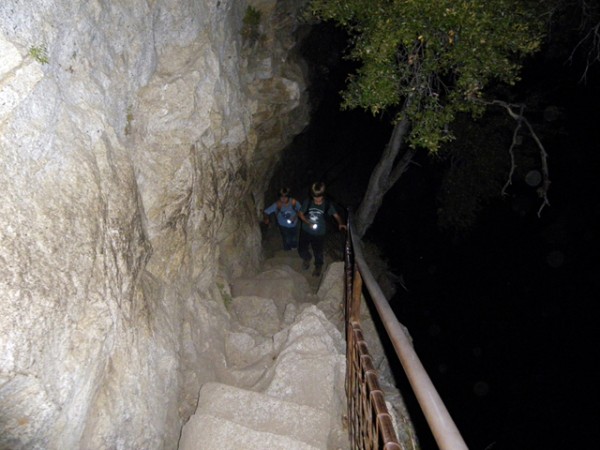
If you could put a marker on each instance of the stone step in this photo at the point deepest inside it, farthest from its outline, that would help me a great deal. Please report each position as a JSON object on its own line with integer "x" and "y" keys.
{"x": 295, "y": 263}
{"x": 263, "y": 413}
{"x": 282, "y": 284}
{"x": 310, "y": 368}
{"x": 206, "y": 432}
{"x": 259, "y": 313}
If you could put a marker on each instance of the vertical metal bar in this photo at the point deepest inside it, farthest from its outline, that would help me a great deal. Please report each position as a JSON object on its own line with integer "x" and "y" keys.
{"x": 350, "y": 360}
{"x": 348, "y": 269}
{"x": 356, "y": 296}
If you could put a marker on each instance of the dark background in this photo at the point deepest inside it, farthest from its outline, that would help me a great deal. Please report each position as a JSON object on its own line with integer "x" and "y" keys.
{"x": 503, "y": 316}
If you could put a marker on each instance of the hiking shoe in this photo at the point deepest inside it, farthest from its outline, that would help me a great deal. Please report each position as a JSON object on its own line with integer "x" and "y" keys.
{"x": 317, "y": 271}
{"x": 305, "y": 264}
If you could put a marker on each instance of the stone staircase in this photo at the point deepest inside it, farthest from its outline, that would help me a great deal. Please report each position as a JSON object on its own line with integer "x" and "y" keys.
{"x": 228, "y": 415}
{"x": 285, "y": 384}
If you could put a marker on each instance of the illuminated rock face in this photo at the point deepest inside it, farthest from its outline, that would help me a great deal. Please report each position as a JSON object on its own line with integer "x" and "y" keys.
{"x": 136, "y": 141}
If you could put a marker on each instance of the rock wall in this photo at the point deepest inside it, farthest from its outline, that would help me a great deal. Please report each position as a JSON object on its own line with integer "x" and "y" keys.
{"x": 136, "y": 140}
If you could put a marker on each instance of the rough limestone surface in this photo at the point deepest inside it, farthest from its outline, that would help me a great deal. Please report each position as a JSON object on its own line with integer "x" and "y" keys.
{"x": 318, "y": 345}
{"x": 262, "y": 413}
{"x": 283, "y": 285}
{"x": 218, "y": 434}
{"x": 136, "y": 140}
{"x": 258, "y": 313}
{"x": 331, "y": 294}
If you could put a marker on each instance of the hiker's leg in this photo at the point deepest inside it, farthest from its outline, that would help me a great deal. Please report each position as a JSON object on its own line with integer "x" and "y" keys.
{"x": 318, "y": 244}
{"x": 282, "y": 232}
{"x": 294, "y": 237}
{"x": 303, "y": 244}
{"x": 286, "y": 236}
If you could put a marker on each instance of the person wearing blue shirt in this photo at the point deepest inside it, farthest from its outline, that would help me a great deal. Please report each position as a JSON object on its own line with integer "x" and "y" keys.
{"x": 312, "y": 233}
{"x": 286, "y": 210}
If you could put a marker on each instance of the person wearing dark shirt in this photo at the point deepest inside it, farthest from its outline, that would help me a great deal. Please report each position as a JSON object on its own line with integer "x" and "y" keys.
{"x": 314, "y": 226}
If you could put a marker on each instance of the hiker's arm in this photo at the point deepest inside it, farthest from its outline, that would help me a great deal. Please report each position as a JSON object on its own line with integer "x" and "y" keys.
{"x": 267, "y": 213}
{"x": 302, "y": 218}
{"x": 340, "y": 222}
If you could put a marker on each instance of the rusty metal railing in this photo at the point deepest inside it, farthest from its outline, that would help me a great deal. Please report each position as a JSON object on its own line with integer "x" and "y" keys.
{"x": 370, "y": 424}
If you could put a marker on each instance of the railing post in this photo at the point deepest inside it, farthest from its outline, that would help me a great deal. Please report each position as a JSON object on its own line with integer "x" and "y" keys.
{"x": 348, "y": 273}
{"x": 356, "y": 296}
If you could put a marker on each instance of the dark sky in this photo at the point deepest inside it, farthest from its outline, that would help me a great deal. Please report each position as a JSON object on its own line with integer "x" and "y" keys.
{"x": 504, "y": 316}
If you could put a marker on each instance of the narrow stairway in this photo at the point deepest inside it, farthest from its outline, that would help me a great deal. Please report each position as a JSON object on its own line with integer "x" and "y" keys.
{"x": 286, "y": 361}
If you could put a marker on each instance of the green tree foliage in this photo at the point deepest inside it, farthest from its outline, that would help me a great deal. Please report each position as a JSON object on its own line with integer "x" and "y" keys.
{"x": 430, "y": 59}
{"x": 427, "y": 62}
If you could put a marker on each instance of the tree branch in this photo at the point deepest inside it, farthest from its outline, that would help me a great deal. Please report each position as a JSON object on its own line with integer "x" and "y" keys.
{"x": 543, "y": 190}
{"x": 379, "y": 182}
{"x": 402, "y": 165}
{"x": 593, "y": 54}
{"x": 511, "y": 150}
{"x": 589, "y": 27}
{"x": 520, "y": 118}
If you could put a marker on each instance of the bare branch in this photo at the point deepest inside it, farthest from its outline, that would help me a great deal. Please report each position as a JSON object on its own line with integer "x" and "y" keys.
{"x": 511, "y": 150}
{"x": 589, "y": 27}
{"x": 593, "y": 54}
{"x": 543, "y": 190}
{"x": 520, "y": 118}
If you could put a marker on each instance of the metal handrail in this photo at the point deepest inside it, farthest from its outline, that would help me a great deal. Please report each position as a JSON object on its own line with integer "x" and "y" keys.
{"x": 441, "y": 424}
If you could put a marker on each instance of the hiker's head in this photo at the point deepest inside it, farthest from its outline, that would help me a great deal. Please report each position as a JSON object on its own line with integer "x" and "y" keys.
{"x": 284, "y": 192}
{"x": 317, "y": 189}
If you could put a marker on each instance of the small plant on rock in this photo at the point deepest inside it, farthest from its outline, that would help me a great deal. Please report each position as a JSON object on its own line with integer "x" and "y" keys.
{"x": 129, "y": 118}
{"x": 39, "y": 53}
{"x": 251, "y": 27}
{"x": 225, "y": 295}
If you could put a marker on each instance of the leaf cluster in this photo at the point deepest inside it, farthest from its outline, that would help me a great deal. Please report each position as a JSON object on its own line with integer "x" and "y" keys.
{"x": 430, "y": 60}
